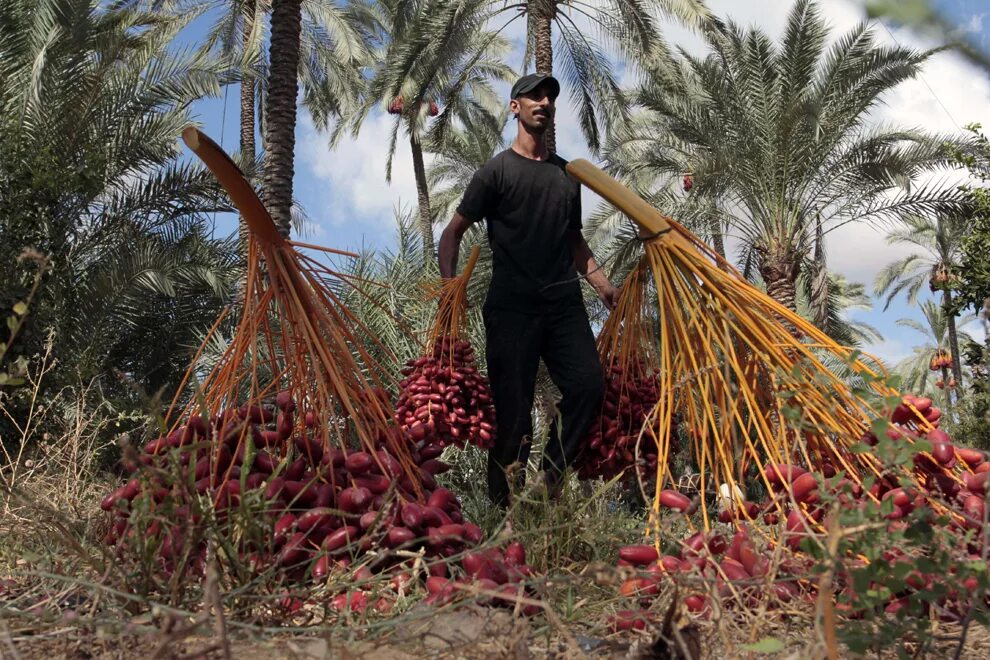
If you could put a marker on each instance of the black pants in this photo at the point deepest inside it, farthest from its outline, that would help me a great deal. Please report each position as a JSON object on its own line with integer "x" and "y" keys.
{"x": 515, "y": 342}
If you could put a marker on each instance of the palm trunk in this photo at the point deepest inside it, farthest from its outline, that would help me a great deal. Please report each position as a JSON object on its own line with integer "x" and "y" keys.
{"x": 248, "y": 148}
{"x": 718, "y": 243}
{"x": 953, "y": 339}
{"x": 280, "y": 111}
{"x": 783, "y": 290}
{"x": 780, "y": 276}
{"x": 423, "y": 192}
{"x": 781, "y": 281}
{"x": 947, "y": 389}
{"x": 542, "y": 17}
{"x": 819, "y": 280}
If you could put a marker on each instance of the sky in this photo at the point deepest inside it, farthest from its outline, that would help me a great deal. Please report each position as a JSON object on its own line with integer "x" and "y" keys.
{"x": 350, "y": 204}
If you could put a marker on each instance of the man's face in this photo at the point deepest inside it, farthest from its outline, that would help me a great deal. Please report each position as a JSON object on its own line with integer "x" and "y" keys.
{"x": 535, "y": 108}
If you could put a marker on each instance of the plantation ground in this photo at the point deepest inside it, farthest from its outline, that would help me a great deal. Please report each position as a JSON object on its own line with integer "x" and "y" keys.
{"x": 59, "y": 598}
{"x": 53, "y": 607}
{"x": 469, "y": 632}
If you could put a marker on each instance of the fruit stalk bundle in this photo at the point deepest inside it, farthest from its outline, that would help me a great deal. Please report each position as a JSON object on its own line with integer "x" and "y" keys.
{"x": 744, "y": 379}
{"x": 615, "y": 444}
{"x": 294, "y": 421}
{"x": 443, "y": 399}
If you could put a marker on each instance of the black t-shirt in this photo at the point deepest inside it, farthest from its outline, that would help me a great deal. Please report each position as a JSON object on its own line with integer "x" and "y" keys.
{"x": 532, "y": 208}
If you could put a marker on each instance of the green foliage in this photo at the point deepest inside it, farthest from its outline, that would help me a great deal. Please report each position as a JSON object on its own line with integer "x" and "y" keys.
{"x": 973, "y": 427}
{"x": 14, "y": 377}
{"x": 903, "y": 11}
{"x": 92, "y": 99}
{"x": 919, "y": 564}
{"x": 776, "y": 135}
{"x": 973, "y": 289}
{"x": 766, "y": 645}
{"x": 937, "y": 23}
{"x": 588, "y": 523}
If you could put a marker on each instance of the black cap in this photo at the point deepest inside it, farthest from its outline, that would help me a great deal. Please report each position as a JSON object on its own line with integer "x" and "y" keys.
{"x": 533, "y": 80}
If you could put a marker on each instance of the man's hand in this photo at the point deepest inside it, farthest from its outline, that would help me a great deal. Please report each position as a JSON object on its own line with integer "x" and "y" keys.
{"x": 609, "y": 294}
{"x": 584, "y": 262}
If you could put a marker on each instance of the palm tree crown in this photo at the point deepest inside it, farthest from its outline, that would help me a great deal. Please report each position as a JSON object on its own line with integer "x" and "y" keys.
{"x": 915, "y": 370}
{"x": 939, "y": 242}
{"x": 91, "y": 101}
{"x": 779, "y": 136}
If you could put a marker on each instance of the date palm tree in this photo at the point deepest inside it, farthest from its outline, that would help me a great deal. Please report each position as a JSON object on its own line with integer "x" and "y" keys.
{"x": 92, "y": 98}
{"x": 336, "y": 36}
{"x": 320, "y": 45}
{"x": 934, "y": 326}
{"x": 939, "y": 243}
{"x": 778, "y": 137}
{"x": 431, "y": 56}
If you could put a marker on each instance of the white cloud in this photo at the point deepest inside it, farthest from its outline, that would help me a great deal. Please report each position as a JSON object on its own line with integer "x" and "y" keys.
{"x": 859, "y": 251}
{"x": 975, "y": 24}
{"x": 352, "y": 176}
{"x": 889, "y": 351}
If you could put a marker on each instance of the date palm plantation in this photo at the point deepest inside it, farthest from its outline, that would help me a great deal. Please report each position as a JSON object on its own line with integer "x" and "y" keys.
{"x": 780, "y": 136}
{"x": 207, "y": 450}
{"x": 436, "y": 52}
{"x": 939, "y": 242}
{"x": 430, "y": 57}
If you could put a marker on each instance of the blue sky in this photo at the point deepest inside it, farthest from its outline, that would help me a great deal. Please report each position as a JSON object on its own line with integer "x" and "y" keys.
{"x": 351, "y": 206}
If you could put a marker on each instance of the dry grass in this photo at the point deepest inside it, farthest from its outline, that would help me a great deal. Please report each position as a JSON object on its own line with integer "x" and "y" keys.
{"x": 62, "y": 595}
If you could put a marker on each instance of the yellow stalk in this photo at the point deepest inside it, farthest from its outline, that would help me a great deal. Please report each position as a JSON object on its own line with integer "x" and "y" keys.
{"x": 726, "y": 353}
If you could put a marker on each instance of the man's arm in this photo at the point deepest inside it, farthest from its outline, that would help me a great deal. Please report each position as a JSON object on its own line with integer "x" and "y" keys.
{"x": 450, "y": 244}
{"x": 587, "y": 267}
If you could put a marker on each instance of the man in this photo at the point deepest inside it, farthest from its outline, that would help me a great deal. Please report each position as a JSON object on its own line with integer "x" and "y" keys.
{"x": 534, "y": 306}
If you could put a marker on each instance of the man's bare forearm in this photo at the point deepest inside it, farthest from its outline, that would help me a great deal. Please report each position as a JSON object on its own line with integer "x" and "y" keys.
{"x": 595, "y": 277}
{"x": 587, "y": 267}
{"x": 584, "y": 262}
{"x": 450, "y": 245}
{"x": 447, "y": 253}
